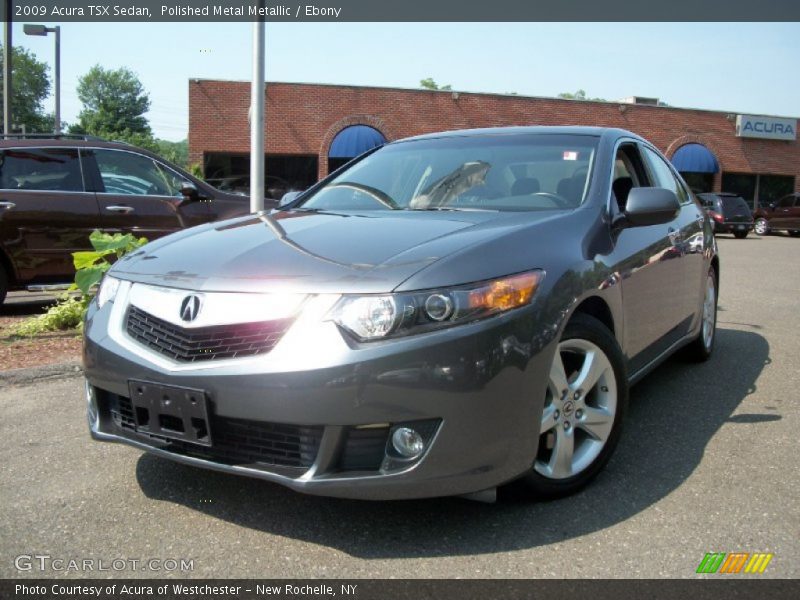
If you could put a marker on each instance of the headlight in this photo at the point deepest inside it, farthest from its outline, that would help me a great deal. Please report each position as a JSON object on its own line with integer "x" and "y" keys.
{"x": 377, "y": 317}
{"x": 108, "y": 290}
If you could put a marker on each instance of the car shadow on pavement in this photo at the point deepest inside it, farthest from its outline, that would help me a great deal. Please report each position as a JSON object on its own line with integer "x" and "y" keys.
{"x": 22, "y": 309}
{"x": 674, "y": 413}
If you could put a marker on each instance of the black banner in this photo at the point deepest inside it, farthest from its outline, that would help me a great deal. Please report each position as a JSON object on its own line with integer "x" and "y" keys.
{"x": 731, "y": 587}
{"x": 407, "y": 11}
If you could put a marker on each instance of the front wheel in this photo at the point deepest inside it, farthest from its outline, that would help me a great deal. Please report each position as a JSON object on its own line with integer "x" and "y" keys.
{"x": 761, "y": 226}
{"x": 585, "y": 402}
{"x": 740, "y": 235}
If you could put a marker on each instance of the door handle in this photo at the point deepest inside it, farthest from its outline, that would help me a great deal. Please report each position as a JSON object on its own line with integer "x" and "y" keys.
{"x": 120, "y": 209}
{"x": 7, "y": 205}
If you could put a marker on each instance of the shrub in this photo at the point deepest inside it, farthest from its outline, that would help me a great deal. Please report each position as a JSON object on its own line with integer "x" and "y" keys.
{"x": 90, "y": 266}
{"x": 67, "y": 313}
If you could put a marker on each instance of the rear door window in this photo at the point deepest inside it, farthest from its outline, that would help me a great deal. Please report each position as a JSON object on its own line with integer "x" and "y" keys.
{"x": 41, "y": 169}
{"x": 663, "y": 175}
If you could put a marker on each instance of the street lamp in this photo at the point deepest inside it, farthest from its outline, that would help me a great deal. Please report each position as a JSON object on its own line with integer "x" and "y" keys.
{"x": 43, "y": 30}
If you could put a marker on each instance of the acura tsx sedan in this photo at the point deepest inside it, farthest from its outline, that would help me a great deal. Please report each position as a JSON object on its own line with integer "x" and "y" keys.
{"x": 443, "y": 315}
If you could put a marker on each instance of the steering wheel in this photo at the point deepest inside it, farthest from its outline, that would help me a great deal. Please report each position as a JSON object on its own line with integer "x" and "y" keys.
{"x": 381, "y": 197}
{"x": 559, "y": 200}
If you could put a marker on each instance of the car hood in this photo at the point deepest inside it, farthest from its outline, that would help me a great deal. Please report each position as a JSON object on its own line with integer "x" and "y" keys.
{"x": 314, "y": 252}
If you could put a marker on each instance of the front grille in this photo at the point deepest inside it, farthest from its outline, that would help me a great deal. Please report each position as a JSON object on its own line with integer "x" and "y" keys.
{"x": 239, "y": 441}
{"x": 204, "y": 343}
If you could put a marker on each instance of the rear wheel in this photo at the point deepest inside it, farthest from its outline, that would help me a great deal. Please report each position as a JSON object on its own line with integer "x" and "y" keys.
{"x": 701, "y": 348}
{"x": 586, "y": 400}
{"x": 740, "y": 234}
{"x": 761, "y": 226}
{"x": 794, "y": 233}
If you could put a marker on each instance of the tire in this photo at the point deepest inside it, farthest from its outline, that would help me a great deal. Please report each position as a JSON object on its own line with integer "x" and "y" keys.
{"x": 794, "y": 233}
{"x": 761, "y": 226}
{"x": 740, "y": 235}
{"x": 702, "y": 347}
{"x": 605, "y": 402}
{"x": 3, "y": 285}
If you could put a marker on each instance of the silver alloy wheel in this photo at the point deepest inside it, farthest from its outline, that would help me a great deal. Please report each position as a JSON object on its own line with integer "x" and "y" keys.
{"x": 709, "y": 311}
{"x": 579, "y": 409}
{"x": 761, "y": 226}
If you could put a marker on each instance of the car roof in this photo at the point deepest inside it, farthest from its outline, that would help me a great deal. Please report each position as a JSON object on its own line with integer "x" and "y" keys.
{"x": 57, "y": 142}
{"x": 527, "y": 130}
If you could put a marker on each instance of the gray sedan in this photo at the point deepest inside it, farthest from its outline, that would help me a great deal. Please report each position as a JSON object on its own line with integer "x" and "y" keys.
{"x": 444, "y": 315}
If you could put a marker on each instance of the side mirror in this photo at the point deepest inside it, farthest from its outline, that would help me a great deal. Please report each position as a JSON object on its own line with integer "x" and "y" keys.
{"x": 288, "y": 198}
{"x": 189, "y": 193}
{"x": 651, "y": 206}
{"x": 772, "y": 205}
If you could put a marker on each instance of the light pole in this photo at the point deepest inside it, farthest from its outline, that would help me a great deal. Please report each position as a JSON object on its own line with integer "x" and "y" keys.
{"x": 257, "y": 94}
{"x": 43, "y": 30}
{"x": 7, "y": 88}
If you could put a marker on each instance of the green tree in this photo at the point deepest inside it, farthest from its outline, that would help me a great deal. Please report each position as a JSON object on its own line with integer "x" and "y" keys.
{"x": 114, "y": 104}
{"x": 176, "y": 152}
{"x": 579, "y": 95}
{"x": 430, "y": 84}
{"x": 31, "y": 85}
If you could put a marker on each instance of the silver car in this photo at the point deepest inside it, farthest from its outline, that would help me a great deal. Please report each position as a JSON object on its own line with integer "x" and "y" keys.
{"x": 447, "y": 314}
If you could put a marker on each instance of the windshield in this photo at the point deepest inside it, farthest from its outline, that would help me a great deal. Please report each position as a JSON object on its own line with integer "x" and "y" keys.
{"x": 518, "y": 172}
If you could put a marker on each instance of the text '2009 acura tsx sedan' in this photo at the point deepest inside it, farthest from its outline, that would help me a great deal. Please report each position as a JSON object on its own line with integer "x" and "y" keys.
{"x": 444, "y": 315}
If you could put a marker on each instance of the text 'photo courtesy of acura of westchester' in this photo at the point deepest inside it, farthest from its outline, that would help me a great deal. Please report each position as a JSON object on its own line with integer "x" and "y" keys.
{"x": 444, "y": 315}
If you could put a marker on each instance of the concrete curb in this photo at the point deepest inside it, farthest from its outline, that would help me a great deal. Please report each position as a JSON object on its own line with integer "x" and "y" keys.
{"x": 28, "y": 375}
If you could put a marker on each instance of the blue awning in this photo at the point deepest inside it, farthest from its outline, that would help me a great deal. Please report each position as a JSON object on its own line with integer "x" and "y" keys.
{"x": 695, "y": 158}
{"x": 354, "y": 140}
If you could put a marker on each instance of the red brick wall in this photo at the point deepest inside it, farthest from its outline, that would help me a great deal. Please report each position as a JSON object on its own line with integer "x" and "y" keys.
{"x": 304, "y": 118}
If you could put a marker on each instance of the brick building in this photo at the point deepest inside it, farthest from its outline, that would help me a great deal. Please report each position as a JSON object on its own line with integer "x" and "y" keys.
{"x": 311, "y": 128}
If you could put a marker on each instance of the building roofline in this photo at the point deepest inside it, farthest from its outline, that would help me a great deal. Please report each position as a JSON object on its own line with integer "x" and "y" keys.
{"x": 492, "y": 94}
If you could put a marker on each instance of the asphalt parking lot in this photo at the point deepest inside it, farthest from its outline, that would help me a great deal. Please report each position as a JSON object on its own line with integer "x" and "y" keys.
{"x": 707, "y": 464}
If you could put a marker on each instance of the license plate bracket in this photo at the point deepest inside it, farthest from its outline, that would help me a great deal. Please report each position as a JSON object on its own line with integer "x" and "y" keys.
{"x": 171, "y": 411}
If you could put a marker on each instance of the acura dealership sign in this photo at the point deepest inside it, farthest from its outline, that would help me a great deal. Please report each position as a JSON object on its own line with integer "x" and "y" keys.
{"x": 768, "y": 128}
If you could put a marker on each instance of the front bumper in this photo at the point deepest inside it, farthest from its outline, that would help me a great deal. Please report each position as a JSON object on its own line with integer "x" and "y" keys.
{"x": 478, "y": 389}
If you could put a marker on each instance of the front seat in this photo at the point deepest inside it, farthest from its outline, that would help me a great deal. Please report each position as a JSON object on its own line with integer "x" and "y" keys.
{"x": 525, "y": 185}
{"x": 622, "y": 187}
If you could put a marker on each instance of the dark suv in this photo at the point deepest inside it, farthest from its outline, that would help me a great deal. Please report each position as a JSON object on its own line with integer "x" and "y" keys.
{"x": 729, "y": 213}
{"x": 54, "y": 191}
{"x": 783, "y": 215}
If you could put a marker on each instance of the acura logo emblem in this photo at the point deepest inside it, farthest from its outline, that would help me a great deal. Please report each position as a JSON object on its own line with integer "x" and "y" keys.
{"x": 190, "y": 307}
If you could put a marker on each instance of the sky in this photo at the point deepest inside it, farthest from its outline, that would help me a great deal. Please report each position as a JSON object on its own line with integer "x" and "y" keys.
{"x": 734, "y": 67}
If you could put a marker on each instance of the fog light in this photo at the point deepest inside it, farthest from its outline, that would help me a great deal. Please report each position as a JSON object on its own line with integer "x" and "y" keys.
{"x": 92, "y": 412}
{"x": 407, "y": 442}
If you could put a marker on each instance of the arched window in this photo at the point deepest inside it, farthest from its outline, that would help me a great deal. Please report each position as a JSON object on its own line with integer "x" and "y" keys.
{"x": 697, "y": 165}
{"x": 352, "y": 141}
